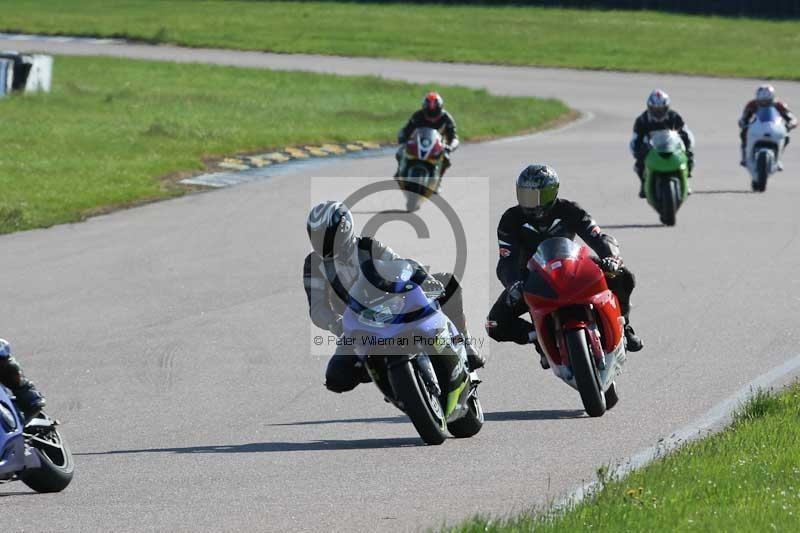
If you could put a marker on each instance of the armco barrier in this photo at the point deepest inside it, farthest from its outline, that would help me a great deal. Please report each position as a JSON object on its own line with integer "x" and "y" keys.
{"x": 29, "y": 72}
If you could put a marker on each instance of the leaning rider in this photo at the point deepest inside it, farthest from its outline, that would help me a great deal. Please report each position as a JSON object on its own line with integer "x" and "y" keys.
{"x": 335, "y": 260}
{"x": 657, "y": 116}
{"x": 432, "y": 115}
{"x": 541, "y": 215}
{"x": 765, "y": 97}
{"x": 27, "y": 398}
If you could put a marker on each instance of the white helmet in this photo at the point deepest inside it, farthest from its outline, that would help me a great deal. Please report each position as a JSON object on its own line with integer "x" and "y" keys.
{"x": 765, "y": 95}
{"x": 331, "y": 230}
{"x": 658, "y": 105}
{"x": 5, "y": 348}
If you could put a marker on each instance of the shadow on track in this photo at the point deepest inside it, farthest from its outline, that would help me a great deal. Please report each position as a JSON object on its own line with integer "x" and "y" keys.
{"x": 725, "y": 191}
{"x": 499, "y": 416}
{"x": 383, "y": 419}
{"x": 263, "y": 447}
{"x": 544, "y": 414}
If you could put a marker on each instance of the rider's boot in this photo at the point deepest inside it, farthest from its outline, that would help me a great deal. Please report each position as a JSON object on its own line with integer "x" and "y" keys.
{"x": 543, "y": 362}
{"x": 632, "y": 341}
{"x": 641, "y": 190}
{"x": 474, "y": 358}
{"x": 743, "y": 161}
{"x": 27, "y": 398}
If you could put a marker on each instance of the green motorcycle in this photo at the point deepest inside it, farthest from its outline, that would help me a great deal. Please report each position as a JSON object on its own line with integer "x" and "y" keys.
{"x": 666, "y": 174}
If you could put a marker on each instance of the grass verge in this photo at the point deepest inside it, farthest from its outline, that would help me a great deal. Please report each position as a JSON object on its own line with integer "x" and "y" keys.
{"x": 746, "y": 478}
{"x": 619, "y": 40}
{"x": 111, "y": 128}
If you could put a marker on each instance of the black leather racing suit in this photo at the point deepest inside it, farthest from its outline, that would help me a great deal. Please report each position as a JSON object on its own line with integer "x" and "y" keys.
{"x": 444, "y": 124}
{"x": 518, "y": 237}
{"x": 645, "y": 125}
{"x": 327, "y": 302}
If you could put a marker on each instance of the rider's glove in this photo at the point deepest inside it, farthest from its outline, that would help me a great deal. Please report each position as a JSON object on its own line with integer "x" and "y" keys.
{"x": 514, "y": 293}
{"x": 432, "y": 287}
{"x": 611, "y": 264}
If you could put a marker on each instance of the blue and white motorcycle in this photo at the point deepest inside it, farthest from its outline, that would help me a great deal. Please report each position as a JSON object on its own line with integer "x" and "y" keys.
{"x": 766, "y": 140}
{"x": 32, "y": 451}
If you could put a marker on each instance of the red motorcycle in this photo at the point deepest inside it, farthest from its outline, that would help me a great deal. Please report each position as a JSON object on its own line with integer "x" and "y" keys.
{"x": 578, "y": 320}
{"x": 421, "y": 166}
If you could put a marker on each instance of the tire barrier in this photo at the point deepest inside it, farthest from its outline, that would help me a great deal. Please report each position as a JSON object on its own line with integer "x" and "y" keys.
{"x": 29, "y": 72}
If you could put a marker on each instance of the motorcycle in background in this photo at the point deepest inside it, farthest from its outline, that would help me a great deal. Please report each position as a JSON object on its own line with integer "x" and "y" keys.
{"x": 32, "y": 451}
{"x": 578, "y": 321}
{"x": 766, "y": 140}
{"x": 421, "y": 166}
{"x": 666, "y": 174}
{"x": 412, "y": 351}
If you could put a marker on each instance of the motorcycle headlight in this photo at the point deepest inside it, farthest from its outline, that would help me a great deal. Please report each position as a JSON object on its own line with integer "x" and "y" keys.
{"x": 8, "y": 418}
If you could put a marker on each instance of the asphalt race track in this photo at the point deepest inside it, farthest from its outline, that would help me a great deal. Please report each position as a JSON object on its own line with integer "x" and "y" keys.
{"x": 172, "y": 340}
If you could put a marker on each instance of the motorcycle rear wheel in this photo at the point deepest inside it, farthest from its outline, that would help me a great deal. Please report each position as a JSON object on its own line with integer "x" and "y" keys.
{"x": 423, "y": 408}
{"x": 471, "y": 423}
{"x": 611, "y": 396}
{"x": 587, "y": 377}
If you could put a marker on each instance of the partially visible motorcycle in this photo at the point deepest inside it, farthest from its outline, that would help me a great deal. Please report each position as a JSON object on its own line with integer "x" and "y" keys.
{"x": 766, "y": 140}
{"x": 32, "y": 451}
{"x": 578, "y": 321}
{"x": 412, "y": 351}
{"x": 421, "y": 166}
{"x": 666, "y": 174}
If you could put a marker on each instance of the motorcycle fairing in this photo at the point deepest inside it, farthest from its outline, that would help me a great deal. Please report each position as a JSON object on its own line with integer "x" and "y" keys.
{"x": 566, "y": 289}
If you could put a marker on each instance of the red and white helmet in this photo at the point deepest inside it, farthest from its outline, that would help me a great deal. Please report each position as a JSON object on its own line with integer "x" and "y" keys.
{"x": 432, "y": 105}
{"x": 658, "y": 105}
{"x": 765, "y": 95}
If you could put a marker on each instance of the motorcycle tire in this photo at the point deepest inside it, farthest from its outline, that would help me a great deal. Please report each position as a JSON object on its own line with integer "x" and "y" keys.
{"x": 670, "y": 200}
{"x": 611, "y": 396}
{"x": 423, "y": 408}
{"x": 763, "y": 165}
{"x": 57, "y": 465}
{"x": 585, "y": 371}
{"x": 469, "y": 424}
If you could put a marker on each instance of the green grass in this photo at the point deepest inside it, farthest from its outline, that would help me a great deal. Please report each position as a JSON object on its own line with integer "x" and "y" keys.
{"x": 622, "y": 40}
{"x": 746, "y": 478}
{"x": 111, "y": 128}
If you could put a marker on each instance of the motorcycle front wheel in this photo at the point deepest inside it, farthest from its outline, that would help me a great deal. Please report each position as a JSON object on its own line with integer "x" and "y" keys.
{"x": 587, "y": 377}
{"x": 57, "y": 465}
{"x": 763, "y": 165}
{"x": 422, "y": 407}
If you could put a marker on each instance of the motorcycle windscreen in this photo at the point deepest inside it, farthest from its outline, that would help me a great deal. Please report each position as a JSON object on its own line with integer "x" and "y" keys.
{"x": 666, "y": 141}
{"x": 554, "y": 249}
{"x": 768, "y": 114}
